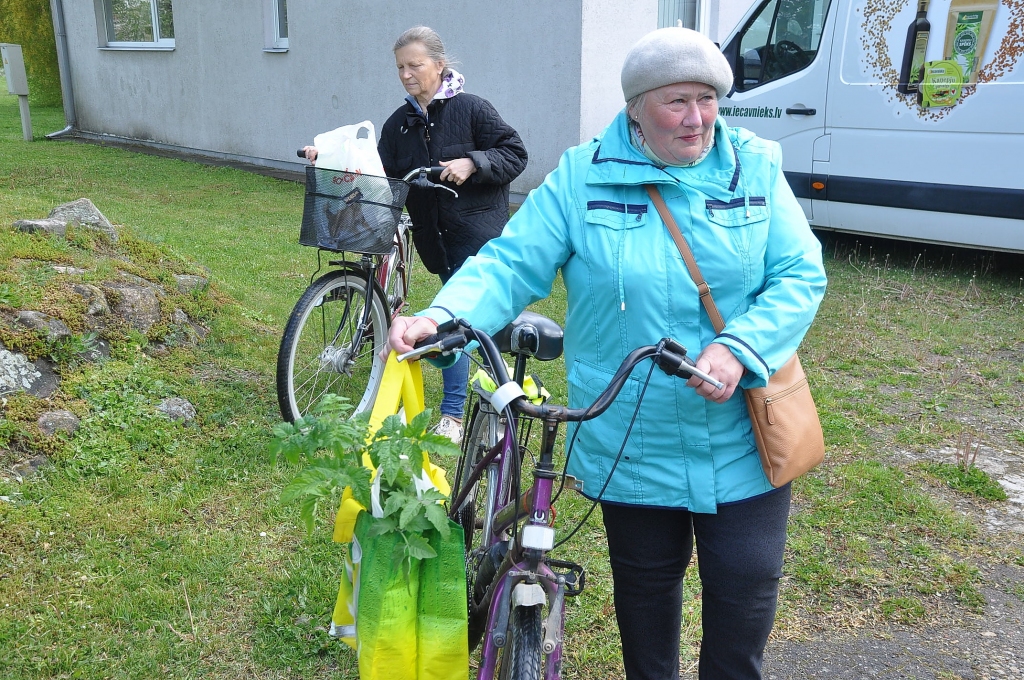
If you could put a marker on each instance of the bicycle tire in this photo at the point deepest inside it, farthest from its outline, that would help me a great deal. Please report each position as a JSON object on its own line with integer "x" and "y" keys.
{"x": 317, "y": 356}
{"x": 399, "y": 275}
{"x": 523, "y": 658}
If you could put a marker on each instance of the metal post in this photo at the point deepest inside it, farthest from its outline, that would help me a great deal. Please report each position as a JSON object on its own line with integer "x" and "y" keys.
{"x": 26, "y": 120}
{"x": 17, "y": 82}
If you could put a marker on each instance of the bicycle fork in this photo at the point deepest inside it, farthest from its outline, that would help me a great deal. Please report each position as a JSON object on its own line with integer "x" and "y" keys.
{"x": 527, "y": 580}
{"x": 340, "y": 359}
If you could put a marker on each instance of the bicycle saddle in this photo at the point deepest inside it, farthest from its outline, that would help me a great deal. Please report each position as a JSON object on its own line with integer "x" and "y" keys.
{"x": 531, "y": 334}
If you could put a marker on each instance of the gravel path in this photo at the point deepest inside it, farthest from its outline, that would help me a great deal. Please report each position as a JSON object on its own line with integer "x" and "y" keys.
{"x": 990, "y": 647}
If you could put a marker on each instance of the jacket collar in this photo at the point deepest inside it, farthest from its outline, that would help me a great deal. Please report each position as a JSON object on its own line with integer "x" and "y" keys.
{"x": 617, "y": 161}
{"x": 414, "y": 115}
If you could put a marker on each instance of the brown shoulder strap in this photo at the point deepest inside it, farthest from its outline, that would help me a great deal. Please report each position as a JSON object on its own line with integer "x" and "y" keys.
{"x": 691, "y": 264}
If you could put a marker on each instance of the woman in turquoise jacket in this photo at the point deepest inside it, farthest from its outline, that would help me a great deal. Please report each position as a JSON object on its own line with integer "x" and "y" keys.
{"x": 690, "y": 470}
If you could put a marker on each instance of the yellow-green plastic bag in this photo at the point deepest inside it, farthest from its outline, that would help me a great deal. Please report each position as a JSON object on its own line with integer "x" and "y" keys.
{"x": 401, "y": 630}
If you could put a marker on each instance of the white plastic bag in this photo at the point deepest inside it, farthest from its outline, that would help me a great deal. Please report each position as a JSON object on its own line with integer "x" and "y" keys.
{"x": 350, "y": 148}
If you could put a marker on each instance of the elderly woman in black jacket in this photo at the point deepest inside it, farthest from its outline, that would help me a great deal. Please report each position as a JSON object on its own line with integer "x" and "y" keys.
{"x": 441, "y": 125}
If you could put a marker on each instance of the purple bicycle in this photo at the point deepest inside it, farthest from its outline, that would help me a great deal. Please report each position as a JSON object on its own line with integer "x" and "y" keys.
{"x": 516, "y": 590}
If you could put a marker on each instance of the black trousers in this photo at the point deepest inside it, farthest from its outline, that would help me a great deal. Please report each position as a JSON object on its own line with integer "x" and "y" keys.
{"x": 739, "y": 554}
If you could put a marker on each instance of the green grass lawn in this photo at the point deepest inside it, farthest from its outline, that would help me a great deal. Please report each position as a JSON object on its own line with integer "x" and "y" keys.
{"x": 151, "y": 549}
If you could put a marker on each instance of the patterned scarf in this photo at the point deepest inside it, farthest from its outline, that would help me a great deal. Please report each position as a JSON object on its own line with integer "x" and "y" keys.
{"x": 451, "y": 85}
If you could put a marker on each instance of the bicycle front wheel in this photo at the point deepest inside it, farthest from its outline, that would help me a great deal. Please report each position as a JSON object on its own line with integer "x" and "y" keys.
{"x": 485, "y": 431}
{"x": 326, "y": 347}
{"x": 523, "y": 658}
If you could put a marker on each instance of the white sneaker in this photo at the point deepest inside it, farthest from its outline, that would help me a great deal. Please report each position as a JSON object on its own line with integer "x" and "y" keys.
{"x": 451, "y": 428}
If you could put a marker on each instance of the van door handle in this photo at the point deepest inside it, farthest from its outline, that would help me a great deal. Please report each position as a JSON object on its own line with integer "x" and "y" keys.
{"x": 801, "y": 111}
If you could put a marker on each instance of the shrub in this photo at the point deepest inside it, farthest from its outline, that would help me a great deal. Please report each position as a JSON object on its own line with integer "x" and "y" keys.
{"x": 29, "y": 23}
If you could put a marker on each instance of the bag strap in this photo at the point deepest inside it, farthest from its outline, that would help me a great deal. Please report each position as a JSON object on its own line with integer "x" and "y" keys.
{"x": 691, "y": 265}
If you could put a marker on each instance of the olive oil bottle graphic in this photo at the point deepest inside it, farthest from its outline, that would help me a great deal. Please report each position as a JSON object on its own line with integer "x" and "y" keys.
{"x": 913, "y": 53}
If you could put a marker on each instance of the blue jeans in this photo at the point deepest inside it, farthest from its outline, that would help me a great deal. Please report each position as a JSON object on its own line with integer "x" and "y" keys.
{"x": 455, "y": 378}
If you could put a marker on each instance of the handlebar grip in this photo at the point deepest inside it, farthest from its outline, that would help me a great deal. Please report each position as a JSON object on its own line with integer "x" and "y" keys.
{"x": 434, "y": 345}
{"x": 434, "y": 173}
{"x": 301, "y": 153}
{"x": 431, "y": 339}
{"x": 673, "y": 360}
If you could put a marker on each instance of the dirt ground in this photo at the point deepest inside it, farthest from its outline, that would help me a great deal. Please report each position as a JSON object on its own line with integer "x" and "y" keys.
{"x": 985, "y": 647}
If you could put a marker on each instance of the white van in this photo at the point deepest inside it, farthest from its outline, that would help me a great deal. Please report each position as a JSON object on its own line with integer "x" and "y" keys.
{"x": 902, "y": 118}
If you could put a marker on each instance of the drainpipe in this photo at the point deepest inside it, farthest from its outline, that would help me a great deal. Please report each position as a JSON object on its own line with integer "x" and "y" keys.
{"x": 64, "y": 64}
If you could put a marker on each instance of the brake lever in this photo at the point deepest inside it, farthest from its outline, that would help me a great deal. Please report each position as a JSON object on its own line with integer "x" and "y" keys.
{"x": 424, "y": 183}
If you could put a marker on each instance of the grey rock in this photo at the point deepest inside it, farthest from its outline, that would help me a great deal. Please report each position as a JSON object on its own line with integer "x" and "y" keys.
{"x": 47, "y": 382}
{"x": 17, "y": 373}
{"x": 137, "y": 304}
{"x": 55, "y": 329}
{"x": 157, "y": 350}
{"x": 188, "y": 283}
{"x": 94, "y": 298}
{"x": 64, "y": 269}
{"x": 58, "y": 421}
{"x": 47, "y": 226}
{"x": 186, "y": 331}
{"x": 86, "y": 214}
{"x": 30, "y": 467}
{"x": 178, "y": 409}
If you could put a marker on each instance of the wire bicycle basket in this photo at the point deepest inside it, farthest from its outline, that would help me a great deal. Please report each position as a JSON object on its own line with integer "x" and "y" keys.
{"x": 352, "y": 212}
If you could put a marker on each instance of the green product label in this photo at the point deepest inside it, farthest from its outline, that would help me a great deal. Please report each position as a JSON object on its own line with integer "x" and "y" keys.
{"x": 965, "y": 42}
{"x": 920, "y": 47}
{"x": 941, "y": 84}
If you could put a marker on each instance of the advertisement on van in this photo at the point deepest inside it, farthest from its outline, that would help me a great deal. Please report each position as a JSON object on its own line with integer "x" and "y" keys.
{"x": 896, "y": 118}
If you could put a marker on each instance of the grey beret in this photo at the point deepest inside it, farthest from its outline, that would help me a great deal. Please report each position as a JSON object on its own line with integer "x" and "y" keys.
{"x": 675, "y": 55}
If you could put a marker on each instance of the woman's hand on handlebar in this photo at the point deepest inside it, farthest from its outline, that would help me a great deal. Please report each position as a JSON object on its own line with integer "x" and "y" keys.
{"x": 458, "y": 170}
{"x": 311, "y": 154}
{"x": 721, "y": 364}
{"x": 405, "y": 332}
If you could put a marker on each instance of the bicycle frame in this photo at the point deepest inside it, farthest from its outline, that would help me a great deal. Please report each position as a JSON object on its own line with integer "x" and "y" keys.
{"x": 520, "y": 565}
{"x": 526, "y": 565}
{"x": 525, "y": 577}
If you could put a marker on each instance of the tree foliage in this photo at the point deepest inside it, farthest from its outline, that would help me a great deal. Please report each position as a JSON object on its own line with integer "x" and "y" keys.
{"x": 29, "y": 23}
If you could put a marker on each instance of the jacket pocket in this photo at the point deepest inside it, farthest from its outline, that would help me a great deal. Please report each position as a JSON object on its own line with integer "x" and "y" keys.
{"x": 617, "y": 215}
{"x": 455, "y": 151}
{"x": 604, "y": 435}
{"x": 589, "y": 380}
{"x": 738, "y": 212}
{"x": 480, "y": 210}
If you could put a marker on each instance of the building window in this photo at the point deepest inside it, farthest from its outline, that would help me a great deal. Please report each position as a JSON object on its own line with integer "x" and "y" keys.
{"x": 672, "y": 12}
{"x": 139, "y": 23}
{"x": 275, "y": 14}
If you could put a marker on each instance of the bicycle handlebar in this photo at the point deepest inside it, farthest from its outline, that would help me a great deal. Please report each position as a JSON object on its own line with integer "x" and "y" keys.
{"x": 425, "y": 178}
{"x": 669, "y": 355}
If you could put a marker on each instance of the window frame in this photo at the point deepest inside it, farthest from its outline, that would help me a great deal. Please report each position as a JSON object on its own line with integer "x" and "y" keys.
{"x": 273, "y": 19}
{"x": 820, "y": 12}
{"x": 105, "y": 14}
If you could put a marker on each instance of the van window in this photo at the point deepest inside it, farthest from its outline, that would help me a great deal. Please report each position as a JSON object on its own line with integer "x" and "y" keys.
{"x": 781, "y": 38}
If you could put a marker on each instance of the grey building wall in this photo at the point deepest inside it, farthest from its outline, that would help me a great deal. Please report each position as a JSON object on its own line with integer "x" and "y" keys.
{"x": 219, "y": 93}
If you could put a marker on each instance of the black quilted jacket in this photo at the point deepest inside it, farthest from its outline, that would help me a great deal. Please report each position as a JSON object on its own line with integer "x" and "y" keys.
{"x": 447, "y": 230}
